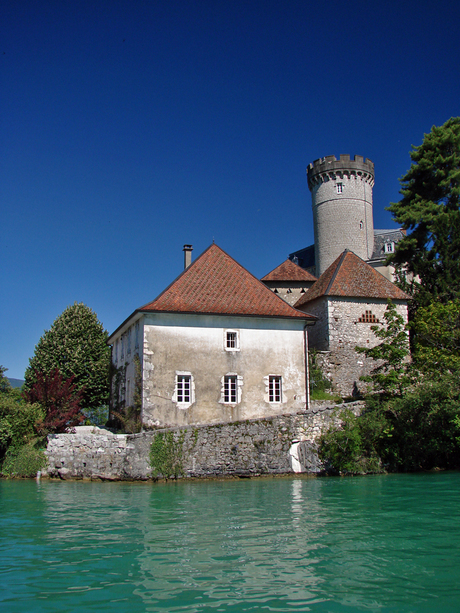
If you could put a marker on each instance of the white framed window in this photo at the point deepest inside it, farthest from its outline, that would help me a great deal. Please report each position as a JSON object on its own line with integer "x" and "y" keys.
{"x": 115, "y": 352}
{"x": 389, "y": 247}
{"x": 339, "y": 188}
{"x": 183, "y": 388}
{"x": 128, "y": 392}
{"x": 274, "y": 389}
{"x": 232, "y": 340}
{"x": 122, "y": 347}
{"x": 231, "y": 390}
{"x": 230, "y": 387}
{"x": 274, "y": 393}
{"x": 184, "y": 392}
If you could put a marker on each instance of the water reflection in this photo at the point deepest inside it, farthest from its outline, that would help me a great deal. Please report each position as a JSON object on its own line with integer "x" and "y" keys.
{"x": 373, "y": 544}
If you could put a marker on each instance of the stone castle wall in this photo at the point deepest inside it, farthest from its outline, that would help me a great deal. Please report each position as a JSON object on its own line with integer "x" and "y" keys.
{"x": 276, "y": 445}
{"x": 342, "y": 325}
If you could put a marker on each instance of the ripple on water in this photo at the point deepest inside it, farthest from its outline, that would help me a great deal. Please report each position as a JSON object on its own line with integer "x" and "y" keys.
{"x": 386, "y": 543}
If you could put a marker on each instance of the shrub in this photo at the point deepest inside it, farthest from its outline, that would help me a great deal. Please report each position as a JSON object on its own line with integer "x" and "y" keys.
{"x": 417, "y": 431}
{"x": 24, "y": 461}
{"x": 17, "y": 421}
{"x": 60, "y": 401}
{"x": 319, "y": 384}
{"x": 350, "y": 448}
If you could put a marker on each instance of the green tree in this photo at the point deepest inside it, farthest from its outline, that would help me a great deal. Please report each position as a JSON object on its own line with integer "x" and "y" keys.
{"x": 437, "y": 337}
{"x": 5, "y": 385}
{"x": 76, "y": 344}
{"x": 429, "y": 212}
{"x": 391, "y": 373}
{"x": 17, "y": 417}
{"x": 419, "y": 430}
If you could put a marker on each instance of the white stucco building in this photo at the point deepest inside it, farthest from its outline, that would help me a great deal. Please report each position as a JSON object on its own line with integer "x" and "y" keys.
{"x": 215, "y": 346}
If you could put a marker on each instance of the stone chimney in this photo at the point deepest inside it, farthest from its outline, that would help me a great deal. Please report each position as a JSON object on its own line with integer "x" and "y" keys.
{"x": 187, "y": 255}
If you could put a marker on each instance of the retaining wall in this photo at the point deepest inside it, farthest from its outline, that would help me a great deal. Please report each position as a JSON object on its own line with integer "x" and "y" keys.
{"x": 276, "y": 445}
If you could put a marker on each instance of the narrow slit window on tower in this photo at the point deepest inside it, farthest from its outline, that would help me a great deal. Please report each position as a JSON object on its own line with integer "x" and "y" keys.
{"x": 339, "y": 188}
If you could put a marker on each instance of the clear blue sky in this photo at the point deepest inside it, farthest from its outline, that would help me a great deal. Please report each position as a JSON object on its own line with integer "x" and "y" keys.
{"x": 131, "y": 127}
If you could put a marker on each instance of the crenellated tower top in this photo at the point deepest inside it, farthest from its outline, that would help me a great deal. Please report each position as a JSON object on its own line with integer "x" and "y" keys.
{"x": 329, "y": 167}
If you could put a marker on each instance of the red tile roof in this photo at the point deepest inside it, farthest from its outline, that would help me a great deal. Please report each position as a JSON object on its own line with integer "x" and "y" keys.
{"x": 216, "y": 283}
{"x": 350, "y": 276}
{"x": 288, "y": 271}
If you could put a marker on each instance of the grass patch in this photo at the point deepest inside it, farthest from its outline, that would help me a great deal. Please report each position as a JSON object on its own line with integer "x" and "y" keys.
{"x": 323, "y": 395}
{"x": 24, "y": 461}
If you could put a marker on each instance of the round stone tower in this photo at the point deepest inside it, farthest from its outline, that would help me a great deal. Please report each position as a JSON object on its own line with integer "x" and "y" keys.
{"x": 341, "y": 192}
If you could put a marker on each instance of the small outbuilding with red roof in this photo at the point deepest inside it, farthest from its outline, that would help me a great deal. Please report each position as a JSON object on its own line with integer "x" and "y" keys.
{"x": 215, "y": 346}
{"x": 348, "y": 299}
{"x": 289, "y": 281}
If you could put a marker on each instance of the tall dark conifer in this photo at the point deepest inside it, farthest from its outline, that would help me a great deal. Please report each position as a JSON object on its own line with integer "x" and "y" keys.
{"x": 430, "y": 213}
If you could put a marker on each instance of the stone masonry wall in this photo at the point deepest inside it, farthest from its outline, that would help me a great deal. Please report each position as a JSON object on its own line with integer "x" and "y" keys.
{"x": 276, "y": 445}
{"x": 345, "y": 322}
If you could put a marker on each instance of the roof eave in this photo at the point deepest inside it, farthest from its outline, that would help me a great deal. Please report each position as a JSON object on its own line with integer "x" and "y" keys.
{"x": 219, "y": 314}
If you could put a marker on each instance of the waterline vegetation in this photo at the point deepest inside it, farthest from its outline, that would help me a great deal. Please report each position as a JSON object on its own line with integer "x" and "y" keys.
{"x": 411, "y": 419}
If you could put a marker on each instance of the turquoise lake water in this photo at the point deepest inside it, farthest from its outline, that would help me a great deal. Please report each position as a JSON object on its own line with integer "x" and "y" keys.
{"x": 377, "y": 543}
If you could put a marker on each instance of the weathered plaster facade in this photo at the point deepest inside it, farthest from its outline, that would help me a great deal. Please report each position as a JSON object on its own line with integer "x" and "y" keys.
{"x": 195, "y": 345}
{"x": 216, "y": 346}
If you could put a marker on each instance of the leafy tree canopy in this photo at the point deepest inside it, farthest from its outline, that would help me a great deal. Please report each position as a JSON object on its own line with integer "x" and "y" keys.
{"x": 5, "y": 386}
{"x": 76, "y": 344}
{"x": 437, "y": 337}
{"x": 391, "y": 374}
{"x": 60, "y": 401}
{"x": 429, "y": 211}
{"x": 17, "y": 417}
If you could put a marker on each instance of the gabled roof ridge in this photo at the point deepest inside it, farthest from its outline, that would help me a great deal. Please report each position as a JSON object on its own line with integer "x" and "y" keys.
{"x": 350, "y": 276}
{"x": 283, "y": 269}
{"x": 179, "y": 276}
{"x": 342, "y": 257}
{"x": 215, "y": 283}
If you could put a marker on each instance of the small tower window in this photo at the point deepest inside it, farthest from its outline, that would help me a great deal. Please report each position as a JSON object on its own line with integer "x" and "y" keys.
{"x": 339, "y": 188}
{"x": 361, "y": 225}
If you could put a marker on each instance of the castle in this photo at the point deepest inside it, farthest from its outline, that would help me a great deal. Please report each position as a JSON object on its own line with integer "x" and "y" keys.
{"x": 342, "y": 202}
{"x": 348, "y": 258}
{"x": 218, "y": 346}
